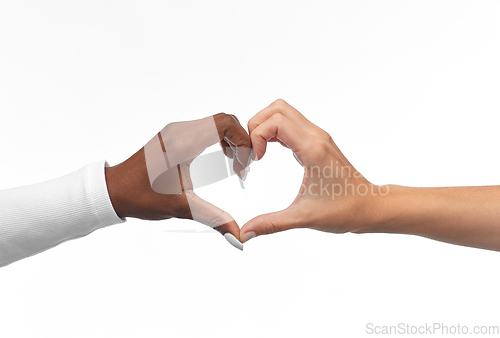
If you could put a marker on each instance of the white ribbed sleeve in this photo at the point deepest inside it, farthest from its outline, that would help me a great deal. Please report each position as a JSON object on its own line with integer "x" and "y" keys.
{"x": 37, "y": 217}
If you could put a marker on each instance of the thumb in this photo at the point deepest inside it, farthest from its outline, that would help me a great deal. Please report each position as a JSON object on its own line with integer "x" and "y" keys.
{"x": 271, "y": 223}
{"x": 214, "y": 217}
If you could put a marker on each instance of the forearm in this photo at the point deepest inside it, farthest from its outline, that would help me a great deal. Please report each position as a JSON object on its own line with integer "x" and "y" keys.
{"x": 37, "y": 217}
{"x": 467, "y": 216}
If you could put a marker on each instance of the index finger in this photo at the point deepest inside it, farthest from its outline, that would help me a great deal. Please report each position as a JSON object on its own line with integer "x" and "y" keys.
{"x": 231, "y": 131}
{"x": 282, "y": 107}
{"x": 280, "y": 127}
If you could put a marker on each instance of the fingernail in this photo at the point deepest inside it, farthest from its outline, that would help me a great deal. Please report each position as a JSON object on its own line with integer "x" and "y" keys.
{"x": 247, "y": 236}
{"x": 233, "y": 241}
{"x": 253, "y": 155}
{"x": 243, "y": 174}
{"x": 250, "y": 159}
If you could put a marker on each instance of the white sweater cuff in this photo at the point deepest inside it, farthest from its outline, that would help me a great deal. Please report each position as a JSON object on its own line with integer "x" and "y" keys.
{"x": 37, "y": 217}
{"x": 98, "y": 196}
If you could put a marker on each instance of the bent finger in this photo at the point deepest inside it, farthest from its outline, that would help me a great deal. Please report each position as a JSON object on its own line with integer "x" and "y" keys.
{"x": 231, "y": 131}
{"x": 212, "y": 216}
{"x": 283, "y": 129}
{"x": 282, "y": 107}
{"x": 226, "y": 148}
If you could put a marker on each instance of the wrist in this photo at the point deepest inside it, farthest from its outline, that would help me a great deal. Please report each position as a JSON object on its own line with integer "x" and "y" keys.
{"x": 116, "y": 191}
{"x": 382, "y": 209}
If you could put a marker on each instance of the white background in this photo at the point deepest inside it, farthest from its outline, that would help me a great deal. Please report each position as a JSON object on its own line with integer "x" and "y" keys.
{"x": 408, "y": 90}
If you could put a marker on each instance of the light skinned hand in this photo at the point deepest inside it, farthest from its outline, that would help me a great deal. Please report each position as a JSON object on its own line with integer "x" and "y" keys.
{"x": 333, "y": 197}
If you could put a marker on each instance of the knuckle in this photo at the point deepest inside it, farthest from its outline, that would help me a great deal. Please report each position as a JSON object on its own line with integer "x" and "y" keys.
{"x": 280, "y": 103}
{"x": 327, "y": 137}
{"x": 223, "y": 120}
{"x": 220, "y": 117}
{"x": 251, "y": 125}
{"x": 170, "y": 129}
{"x": 318, "y": 147}
{"x": 270, "y": 228}
{"x": 231, "y": 120}
{"x": 214, "y": 222}
{"x": 234, "y": 117}
{"x": 279, "y": 106}
{"x": 226, "y": 117}
{"x": 218, "y": 219}
{"x": 278, "y": 118}
{"x": 323, "y": 146}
